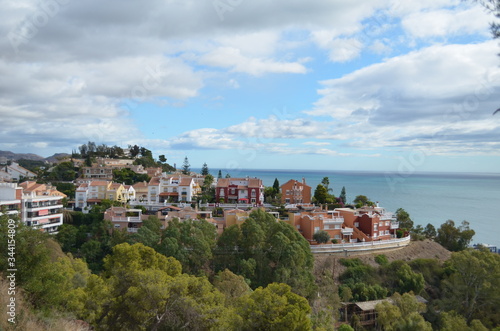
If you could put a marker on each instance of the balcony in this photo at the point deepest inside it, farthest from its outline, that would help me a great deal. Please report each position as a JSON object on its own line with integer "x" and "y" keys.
{"x": 132, "y": 230}
{"x": 128, "y": 219}
{"x": 394, "y": 225}
{"x": 347, "y": 231}
{"x": 333, "y": 220}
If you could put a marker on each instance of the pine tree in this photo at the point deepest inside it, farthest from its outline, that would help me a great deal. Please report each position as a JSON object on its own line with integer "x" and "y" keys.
{"x": 204, "y": 169}
{"x": 220, "y": 174}
{"x": 276, "y": 186}
{"x": 342, "y": 195}
{"x": 185, "y": 167}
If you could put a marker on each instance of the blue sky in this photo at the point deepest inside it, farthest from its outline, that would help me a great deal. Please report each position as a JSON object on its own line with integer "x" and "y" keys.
{"x": 328, "y": 85}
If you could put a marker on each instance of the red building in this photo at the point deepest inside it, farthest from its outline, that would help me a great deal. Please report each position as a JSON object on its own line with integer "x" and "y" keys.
{"x": 240, "y": 190}
{"x": 295, "y": 192}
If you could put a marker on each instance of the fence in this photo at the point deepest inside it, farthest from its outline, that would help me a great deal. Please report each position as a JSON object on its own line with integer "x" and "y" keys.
{"x": 362, "y": 247}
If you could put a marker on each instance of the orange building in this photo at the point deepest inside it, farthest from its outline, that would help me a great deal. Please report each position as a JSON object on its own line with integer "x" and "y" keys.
{"x": 310, "y": 222}
{"x": 370, "y": 223}
{"x": 295, "y": 192}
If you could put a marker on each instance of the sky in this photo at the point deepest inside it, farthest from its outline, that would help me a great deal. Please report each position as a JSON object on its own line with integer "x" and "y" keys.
{"x": 402, "y": 86}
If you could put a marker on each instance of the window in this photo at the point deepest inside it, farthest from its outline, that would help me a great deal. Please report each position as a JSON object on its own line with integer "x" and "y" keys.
{"x": 326, "y": 227}
{"x": 337, "y": 226}
{"x": 356, "y": 224}
{"x": 316, "y": 229}
{"x": 337, "y": 236}
{"x": 375, "y": 226}
{"x": 375, "y": 234}
{"x": 254, "y": 194}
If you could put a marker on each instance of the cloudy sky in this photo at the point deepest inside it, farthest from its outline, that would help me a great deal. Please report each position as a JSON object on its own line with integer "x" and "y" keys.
{"x": 284, "y": 84}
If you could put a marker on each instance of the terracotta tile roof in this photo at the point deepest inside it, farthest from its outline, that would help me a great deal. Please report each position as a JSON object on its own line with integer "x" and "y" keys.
{"x": 185, "y": 181}
{"x": 254, "y": 182}
{"x": 223, "y": 182}
{"x": 140, "y": 185}
{"x": 98, "y": 183}
{"x": 115, "y": 186}
{"x": 154, "y": 181}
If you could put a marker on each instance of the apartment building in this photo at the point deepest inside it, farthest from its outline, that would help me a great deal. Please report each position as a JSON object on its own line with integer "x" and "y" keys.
{"x": 295, "y": 192}
{"x": 172, "y": 189}
{"x": 240, "y": 190}
{"x": 37, "y": 205}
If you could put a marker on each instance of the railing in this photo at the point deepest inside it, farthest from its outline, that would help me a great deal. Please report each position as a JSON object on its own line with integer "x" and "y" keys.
{"x": 361, "y": 246}
{"x": 347, "y": 231}
{"x": 394, "y": 225}
{"x": 333, "y": 220}
{"x": 133, "y": 230}
{"x": 126, "y": 219}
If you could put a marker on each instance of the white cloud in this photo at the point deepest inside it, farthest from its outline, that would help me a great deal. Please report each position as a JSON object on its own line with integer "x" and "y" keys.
{"x": 232, "y": 58}
{"x": 441, "y": 95}
{"x": 447, "y": 22}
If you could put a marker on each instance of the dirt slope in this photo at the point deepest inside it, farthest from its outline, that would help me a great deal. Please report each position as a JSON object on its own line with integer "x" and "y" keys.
{"x": 426, "y": 249}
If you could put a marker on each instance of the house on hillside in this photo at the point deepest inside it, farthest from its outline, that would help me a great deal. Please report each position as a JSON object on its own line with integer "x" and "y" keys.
{"x": 295, "y": 192}
{"x": 310, "y": 222}
{"x": 370, "y": 223}
{"x": 176, "y": 188}
{"x": 240, "y": 190}
{"x": 17, "y": 172}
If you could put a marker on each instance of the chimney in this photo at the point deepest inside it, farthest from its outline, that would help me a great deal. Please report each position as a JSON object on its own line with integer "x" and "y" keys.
{"x": 303, "y": 181}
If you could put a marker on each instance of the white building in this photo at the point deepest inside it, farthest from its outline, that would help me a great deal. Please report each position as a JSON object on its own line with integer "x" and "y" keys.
{"x": 17, "y": 172}
{"x": 172, "y": 189}
{"x": 38, "y": 205}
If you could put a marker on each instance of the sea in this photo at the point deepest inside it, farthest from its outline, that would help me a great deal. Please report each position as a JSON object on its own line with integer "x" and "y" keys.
{"x": 428, "y": 197}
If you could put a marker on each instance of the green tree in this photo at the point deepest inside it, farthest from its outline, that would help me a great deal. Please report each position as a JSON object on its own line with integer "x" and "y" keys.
{"x": 362, "y": 200}
{"x": 67, "y": 188}
{"x": 141, "y": 289}
{"x": 274, "y": 307}
{"x": 128, "y": 176}
{"x": 404, "y": 219}
{"x": 472, "y": 288}
{"x": 204, "y": 169}
{"x": 67, "y": 237}
{"x": 207, "y": 190}
{"x": 342, "y": 195}
{"x": 231, "y": 285}
{"x": 186, "y": 170}
{"x": 321, "y": 237}
{"x": 454, "y": 238}
{"x": 403, "y": 314}
{"x": 276, "y": 186}
{"x": 64, "y": 171}
{"x": 451, "y": 321}
{"x": 321, "y": 194}
{"x": 162, "y": 158}
{"x": 429, "y": 231}
{"x": 191, "y": 243}
{"x": 219, "y": 175}
{"x": 326, "y": 183}
{"x": 266, "y": 251}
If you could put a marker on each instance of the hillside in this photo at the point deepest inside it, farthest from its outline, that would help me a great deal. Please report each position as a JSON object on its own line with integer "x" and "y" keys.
{"x": 426, "y": 249}
{"x": 8, "y": 155}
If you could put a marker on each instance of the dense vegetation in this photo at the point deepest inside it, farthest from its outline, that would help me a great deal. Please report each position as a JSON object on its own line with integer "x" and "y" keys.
{"x": 256, "y": 276}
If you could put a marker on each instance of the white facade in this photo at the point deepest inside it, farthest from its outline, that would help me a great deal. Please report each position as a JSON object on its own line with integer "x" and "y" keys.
{"x": 44, "y": 212}
{"x": 17, "y": 172}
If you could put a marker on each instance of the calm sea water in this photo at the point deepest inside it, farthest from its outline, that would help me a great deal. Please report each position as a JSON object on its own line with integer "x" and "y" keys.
{"x": 428, "y": 197}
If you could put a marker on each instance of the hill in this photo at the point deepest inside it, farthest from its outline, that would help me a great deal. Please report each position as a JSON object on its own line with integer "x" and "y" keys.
{"x": 426, "y": 249}
{"x": 8, "y": 155}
